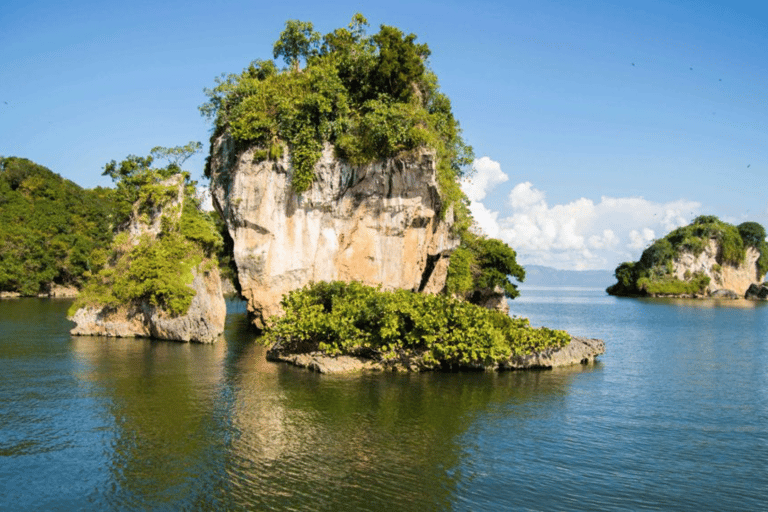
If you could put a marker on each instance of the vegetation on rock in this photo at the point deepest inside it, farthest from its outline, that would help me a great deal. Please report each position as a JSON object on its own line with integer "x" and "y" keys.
{"x": 652, "y": 275}
{"x": 481, "y": 263}
{"x": 350, "y": 318}
{"x": 154, "y": 268}
{"x": 49, "y": 227}
{"x": 371, "y": 97}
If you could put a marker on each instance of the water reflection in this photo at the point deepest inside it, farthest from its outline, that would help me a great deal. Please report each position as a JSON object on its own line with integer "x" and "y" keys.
{"x": 104, "y": 423}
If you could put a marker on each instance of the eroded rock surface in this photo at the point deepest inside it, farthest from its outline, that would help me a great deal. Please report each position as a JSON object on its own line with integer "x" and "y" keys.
{"x": 379, "y": 224}
{"x": 736, "y": 278}
{"x": 203, "y": 322}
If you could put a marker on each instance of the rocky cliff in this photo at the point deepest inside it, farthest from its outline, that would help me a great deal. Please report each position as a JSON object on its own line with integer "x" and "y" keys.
{"x": 725, "y": 276}
{"x": 380, "y": 223}
{"x": 101, "y": 313}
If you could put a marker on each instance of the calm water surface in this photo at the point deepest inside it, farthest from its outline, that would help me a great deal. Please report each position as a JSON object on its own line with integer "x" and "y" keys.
{"x": 673, "y": 417}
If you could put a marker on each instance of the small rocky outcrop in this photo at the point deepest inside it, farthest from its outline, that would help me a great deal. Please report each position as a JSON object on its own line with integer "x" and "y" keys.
{"x": 757, "y": 292}
{"x": 380, "y": 223}
{"x": 202, "y": 322}
{"x": 578, "y": 351}
{"x": 725, "y": 294}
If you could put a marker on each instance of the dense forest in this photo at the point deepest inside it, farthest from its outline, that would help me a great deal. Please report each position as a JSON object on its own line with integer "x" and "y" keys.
{"x": 652, "y": 274}
{"x": 49, "y": 228}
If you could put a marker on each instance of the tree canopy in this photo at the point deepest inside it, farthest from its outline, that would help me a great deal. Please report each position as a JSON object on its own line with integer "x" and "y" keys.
{"x": 49, "y": 227}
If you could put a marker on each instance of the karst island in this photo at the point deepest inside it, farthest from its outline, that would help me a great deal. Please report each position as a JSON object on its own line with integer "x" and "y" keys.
{"x": 337, "y": 179}
{"x": 708, "y": 258}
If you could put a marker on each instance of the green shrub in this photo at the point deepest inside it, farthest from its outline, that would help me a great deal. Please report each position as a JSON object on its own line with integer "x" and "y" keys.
{"x": 350, "y": 318}
{"x": 481, "y": 263}
{"x": 672, "y": 286}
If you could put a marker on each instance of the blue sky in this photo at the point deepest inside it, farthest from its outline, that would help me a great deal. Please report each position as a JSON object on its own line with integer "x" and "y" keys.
{"x": 597, "y": 126}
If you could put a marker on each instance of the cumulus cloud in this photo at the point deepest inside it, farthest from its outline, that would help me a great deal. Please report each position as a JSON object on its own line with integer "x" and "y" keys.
{"x": 581, "y": 234}
{"x": 487, "y": 175}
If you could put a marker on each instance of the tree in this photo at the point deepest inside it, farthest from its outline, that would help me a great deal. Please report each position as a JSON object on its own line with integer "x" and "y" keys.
{"x": 299, "y": 39}
{"x": 176, "y": 156}
{"x": 752, "y": 233}
{"x": 400, "y": 62}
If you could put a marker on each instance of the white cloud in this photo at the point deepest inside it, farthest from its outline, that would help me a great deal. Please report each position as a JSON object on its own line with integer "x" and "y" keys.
{"x": 487, "y": 175}
{"x": 581, "y": 234}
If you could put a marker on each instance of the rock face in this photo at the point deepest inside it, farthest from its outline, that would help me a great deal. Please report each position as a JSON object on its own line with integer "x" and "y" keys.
{"x": 205, "y": 318}
{"x": 722, "y": 277}
{"x": 379, "y": 224}
{"x": 203, "y": 322}
{"x": 578, "y": 351}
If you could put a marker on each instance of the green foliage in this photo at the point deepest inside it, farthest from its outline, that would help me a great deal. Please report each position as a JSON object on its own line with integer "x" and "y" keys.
{"x": 481, "y": 263}
{"x": 652, "y": 274}
{"x": 49, "y": 228}
{"x": 350, "y": 318}
{"x": 371, "y": 97}
{"x": 155, "y": 270}
{"x": 671, "y": 286}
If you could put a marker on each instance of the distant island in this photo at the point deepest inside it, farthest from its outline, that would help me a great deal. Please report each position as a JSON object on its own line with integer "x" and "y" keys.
{"x": 707, "y": 258}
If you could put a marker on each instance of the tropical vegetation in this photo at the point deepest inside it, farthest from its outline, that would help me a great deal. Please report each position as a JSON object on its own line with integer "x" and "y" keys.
{"x": 437, "y": 330}
{"x": 49, "y": 227}
{"x": 155, "y": 268}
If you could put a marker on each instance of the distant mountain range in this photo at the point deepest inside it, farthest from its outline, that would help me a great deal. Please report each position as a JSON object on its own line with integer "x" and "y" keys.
{"x": 537, "y": 275}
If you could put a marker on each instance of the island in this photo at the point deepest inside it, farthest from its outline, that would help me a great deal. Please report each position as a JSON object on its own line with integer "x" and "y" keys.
{"x": 338, "y": 180}
{"x": 707, "y": 258}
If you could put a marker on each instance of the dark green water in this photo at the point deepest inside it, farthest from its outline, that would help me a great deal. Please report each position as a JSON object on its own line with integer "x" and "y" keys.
{"x": 673, "y": 417}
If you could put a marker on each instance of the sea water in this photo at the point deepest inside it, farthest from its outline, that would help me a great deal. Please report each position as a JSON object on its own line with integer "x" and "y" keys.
{"x": 674, "y": 416}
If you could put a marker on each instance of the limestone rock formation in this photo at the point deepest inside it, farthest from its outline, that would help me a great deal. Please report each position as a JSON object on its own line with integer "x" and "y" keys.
{"x": 380, "y": 224}
{"x": 722, "y": 277}
{"x": 204, "y": 320}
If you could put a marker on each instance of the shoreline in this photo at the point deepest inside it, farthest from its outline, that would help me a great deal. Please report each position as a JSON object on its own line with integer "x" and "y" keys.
{"x": 578, "y": 351}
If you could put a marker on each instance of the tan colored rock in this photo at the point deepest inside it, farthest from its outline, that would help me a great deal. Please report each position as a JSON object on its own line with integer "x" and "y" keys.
{"x": 61, "y": 291}
{"x": 203, "y": 322}
{"x": 379, "y": 224}
{"x": 729, "y": 277}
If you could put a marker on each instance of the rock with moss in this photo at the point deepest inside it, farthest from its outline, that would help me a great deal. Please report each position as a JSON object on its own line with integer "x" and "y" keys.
{"x": 708, "y": 258}
{"x": 160, "y": 278}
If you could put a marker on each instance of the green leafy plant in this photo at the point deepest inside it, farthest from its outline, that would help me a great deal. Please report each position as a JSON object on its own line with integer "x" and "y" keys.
{"x": 370, "y": 97}
{"x": 350, "y": 318}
